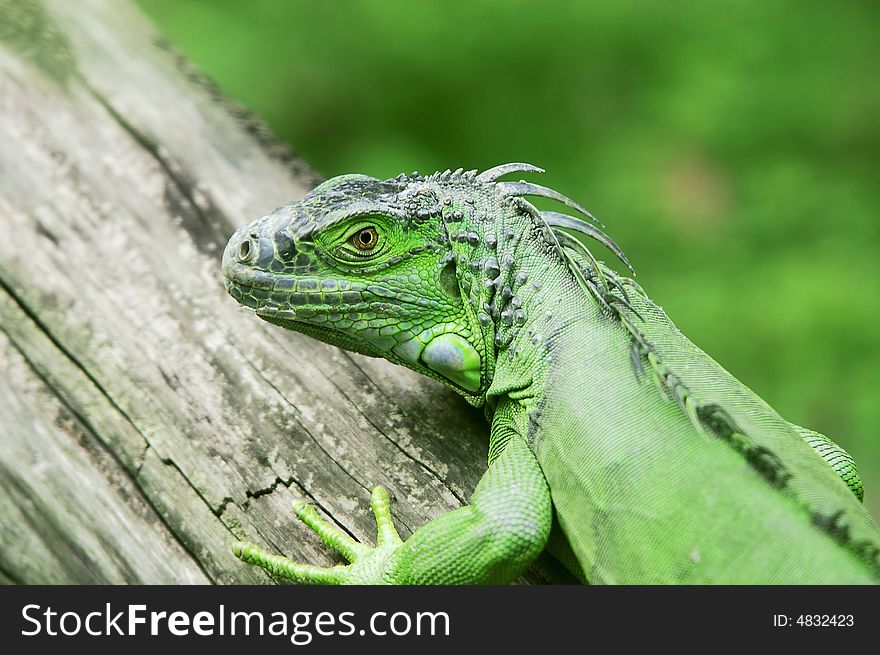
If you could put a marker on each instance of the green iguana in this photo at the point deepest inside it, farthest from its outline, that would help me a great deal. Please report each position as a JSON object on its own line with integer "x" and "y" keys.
{"x": 658, "y": 465}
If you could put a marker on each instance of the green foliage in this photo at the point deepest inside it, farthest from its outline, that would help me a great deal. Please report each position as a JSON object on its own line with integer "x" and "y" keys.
{"x": 732, "y": 149}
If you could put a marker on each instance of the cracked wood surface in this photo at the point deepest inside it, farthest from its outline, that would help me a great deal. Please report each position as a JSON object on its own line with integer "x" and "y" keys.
{"x": 146, "y": 422}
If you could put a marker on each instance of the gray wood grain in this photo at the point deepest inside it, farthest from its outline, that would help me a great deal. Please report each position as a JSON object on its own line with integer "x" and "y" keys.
{"x": 146, "y": 421}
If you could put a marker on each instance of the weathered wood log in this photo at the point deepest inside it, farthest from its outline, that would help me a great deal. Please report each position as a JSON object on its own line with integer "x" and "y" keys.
{"x": 146, "y": 422}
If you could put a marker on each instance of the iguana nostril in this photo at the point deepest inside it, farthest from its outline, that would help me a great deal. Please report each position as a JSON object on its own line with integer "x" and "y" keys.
{"x": 246, "y": 250}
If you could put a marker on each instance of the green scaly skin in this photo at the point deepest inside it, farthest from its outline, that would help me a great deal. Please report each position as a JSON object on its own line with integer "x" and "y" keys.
{"x": 615, "y": 443}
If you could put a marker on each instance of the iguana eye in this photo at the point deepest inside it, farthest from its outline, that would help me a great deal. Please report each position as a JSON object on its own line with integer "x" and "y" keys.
{"x": 365, "y": 239}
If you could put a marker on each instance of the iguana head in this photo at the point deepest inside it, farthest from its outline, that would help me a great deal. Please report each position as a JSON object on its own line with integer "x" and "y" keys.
{"x": 415, "y": 269}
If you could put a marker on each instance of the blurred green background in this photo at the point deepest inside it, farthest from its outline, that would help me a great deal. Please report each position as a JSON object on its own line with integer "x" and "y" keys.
{"x": 732, "y": 149}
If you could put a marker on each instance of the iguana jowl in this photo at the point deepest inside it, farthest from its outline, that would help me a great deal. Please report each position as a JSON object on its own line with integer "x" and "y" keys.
{"x": 660, "y": 467}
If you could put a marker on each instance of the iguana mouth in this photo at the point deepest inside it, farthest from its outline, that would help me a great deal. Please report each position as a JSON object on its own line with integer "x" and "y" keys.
{"x": 278, "y": 304}
{"x": 262, "y": 290}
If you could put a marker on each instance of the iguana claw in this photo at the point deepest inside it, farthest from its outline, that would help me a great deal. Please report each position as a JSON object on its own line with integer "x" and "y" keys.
{"x": 367, "y": 565}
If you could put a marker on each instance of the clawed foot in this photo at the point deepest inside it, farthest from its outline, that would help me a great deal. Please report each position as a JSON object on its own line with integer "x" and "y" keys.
{"x": 367, "y": 565}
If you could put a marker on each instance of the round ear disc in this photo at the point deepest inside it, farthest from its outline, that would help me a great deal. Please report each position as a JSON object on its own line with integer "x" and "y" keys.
{"x": 453, "y": 357}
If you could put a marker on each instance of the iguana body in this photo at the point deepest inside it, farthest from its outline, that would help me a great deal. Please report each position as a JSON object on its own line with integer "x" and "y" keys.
{"x": 659, "y": 466}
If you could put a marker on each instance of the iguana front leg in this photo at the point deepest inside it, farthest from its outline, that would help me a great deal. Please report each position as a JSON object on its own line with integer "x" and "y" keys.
{"x": 490, "y": 541}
